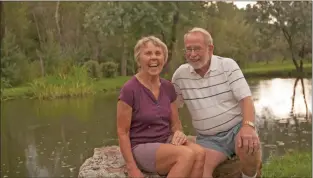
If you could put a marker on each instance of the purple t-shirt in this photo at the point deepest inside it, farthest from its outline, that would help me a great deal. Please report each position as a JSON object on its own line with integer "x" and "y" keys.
{"x": 150, "y": 120}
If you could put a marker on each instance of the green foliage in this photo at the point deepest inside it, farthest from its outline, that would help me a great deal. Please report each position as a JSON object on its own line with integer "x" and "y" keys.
{"x": 295, "y": 164}
{"x": 5, "y": 83}
{"x": 75, "y": 83}
{"x": 93, "y": 68}
{"x": 41, "y": 40}
{"x": 290, "y": 20}
{"x": 13, "y": 61}
{"x": 108, "y": 69}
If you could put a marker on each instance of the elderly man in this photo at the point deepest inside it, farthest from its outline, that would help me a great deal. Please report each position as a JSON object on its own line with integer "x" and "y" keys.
{"x": 219, "y": 100}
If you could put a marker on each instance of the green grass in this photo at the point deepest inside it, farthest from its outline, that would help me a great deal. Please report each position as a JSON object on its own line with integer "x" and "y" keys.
{"x": 111, "y": 84}
{"x": 16, "y": 93}
{"x": 77, "y": 82}
{"x": 276, "y": 69}
{"x": 63, "y": 86}
{"x": 292, "y": 165}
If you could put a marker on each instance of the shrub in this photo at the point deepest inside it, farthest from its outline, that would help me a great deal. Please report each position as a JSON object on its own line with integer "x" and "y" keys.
{"x": 108, "y": 69}
{"x": 75, "y": 83}
{"x": 92, "y": 68}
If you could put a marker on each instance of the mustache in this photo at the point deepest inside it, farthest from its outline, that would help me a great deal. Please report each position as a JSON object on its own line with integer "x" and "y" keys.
{"x": 193, "y": 58}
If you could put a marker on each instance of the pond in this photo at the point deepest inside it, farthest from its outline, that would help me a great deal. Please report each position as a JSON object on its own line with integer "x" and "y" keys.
{"x": 53, "y": 138}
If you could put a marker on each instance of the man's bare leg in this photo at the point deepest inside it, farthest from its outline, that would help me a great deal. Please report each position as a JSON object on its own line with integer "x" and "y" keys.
{"x": 213, "y": 158}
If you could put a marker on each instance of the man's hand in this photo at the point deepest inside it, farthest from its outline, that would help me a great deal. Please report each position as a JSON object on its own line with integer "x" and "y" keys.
{"x": 248, "y": 139}
{"x": 179, "y": 138}
{"x": 134, "y": 172}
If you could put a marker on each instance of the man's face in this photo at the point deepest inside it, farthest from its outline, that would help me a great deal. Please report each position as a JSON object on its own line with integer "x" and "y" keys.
{"x": 197, "y": 51}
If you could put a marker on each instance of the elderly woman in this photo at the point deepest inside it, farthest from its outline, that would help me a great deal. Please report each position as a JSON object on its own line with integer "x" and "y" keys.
{"x": 149, "y": 130}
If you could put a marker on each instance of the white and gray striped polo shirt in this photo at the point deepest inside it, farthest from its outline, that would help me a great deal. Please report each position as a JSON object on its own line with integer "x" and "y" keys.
{"x": 213, "y": 101}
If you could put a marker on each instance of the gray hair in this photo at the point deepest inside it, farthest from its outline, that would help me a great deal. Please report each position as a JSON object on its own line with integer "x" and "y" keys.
{"x": 156, "y": 41}
{"x": 207, "y": 36}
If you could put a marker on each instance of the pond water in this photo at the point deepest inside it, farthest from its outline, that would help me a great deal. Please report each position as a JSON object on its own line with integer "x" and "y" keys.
{"x": 53, "y": 138}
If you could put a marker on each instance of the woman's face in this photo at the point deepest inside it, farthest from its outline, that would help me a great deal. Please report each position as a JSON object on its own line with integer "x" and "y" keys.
{"x": 151, "y": 59}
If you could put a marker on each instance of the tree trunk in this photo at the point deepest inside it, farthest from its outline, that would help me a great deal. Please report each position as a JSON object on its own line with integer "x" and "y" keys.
{"x": 171, "y": 45}
{"x": 42, "y": 67}
{"x": 124, "y": 56}
{"x": 290, "y": 44}
{"x": 57, "y": 21}
{"x": 125, "y": 50}
{"x": 2, "y": 31}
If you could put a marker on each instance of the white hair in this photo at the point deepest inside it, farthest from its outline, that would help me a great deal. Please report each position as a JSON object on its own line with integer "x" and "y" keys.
{"x": 207, "y": 36}
{"x": 156, "y": 41}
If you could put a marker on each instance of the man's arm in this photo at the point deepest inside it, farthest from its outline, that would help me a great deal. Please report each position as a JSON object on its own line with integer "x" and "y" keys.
{"x": 248, "y": 111}
{"x": 241, "y": 91}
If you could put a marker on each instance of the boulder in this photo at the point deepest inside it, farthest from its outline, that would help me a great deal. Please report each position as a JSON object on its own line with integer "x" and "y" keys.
{"x": 108, "y": 162}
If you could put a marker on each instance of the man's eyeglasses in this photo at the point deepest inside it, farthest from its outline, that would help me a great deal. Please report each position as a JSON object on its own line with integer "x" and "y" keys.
{"x": 190, "y": 49}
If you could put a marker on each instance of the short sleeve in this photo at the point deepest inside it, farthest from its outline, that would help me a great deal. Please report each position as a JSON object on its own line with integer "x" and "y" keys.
{"x": 180, "y": 100}
{"x": 172, "y": 93}
{"x": 236, "y": 80}
{"x": 127, "y": 95}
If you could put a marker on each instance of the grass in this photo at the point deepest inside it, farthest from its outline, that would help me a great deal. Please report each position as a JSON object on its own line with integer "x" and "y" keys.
{"x": 16, "y": 93}
{"x": 276, "y": 69}
{"x": 52, "y": 87}
{"x": 77, "y": 82}
{"x": 111, "y": 84}
{"x": 291, "y": 165}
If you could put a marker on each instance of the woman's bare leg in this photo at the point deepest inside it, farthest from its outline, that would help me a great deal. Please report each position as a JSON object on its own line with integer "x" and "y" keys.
{"x": 176, "y": 161}
{"x": 197, "y": 169}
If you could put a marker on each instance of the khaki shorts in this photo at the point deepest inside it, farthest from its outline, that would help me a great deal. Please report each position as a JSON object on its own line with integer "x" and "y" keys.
{"x": 145, "y": 155}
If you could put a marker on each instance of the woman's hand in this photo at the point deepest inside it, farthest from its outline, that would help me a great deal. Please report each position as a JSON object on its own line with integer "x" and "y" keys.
{"x": 179, "y": 138}
{"x": 134, "y": 172}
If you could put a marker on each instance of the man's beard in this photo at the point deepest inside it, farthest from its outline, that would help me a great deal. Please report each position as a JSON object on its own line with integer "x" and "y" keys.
{"x": 199, "y": 64}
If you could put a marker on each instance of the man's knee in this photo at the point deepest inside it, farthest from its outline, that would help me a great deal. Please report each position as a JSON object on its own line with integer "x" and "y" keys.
{"x": 249, "y": 160}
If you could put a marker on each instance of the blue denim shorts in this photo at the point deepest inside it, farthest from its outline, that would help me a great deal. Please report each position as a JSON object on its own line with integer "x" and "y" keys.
{"x": 223, "y": 142}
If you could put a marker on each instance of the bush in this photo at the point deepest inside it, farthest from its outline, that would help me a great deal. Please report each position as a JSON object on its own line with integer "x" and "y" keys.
{"x": 75, "y": 83}
{"x": 92, "y": 68}
{"x": 108, "y": 69}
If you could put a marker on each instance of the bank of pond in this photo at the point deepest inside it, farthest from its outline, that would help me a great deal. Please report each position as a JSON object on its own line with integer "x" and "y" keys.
{"x": 78, "y": 84}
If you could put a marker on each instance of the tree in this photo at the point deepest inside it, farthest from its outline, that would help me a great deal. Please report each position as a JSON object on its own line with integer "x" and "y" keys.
{"x": 293, "y": 20}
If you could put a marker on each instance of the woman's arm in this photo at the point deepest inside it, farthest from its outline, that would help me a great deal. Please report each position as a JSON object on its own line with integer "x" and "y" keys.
{"x": 124, "y": 113}
{"x": 175, "y": 121}
{"x": 179, "y": 138}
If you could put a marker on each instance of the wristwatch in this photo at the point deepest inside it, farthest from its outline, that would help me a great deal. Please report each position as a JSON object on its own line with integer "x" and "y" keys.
{"x": 251, "y": 124}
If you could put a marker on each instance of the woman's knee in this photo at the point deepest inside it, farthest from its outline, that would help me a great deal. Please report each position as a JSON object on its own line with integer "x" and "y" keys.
{"x": 199, "y": 151}
{"x": 186, "y": 154}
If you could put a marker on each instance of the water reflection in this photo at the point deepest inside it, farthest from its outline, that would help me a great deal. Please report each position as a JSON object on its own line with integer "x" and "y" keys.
{"x": 292, "y": 112}
{"x": 276, "y": 98}
{"x": 33, "y": 167}
{"x": 284, "y": 115}
{"x": 53, "y": 138}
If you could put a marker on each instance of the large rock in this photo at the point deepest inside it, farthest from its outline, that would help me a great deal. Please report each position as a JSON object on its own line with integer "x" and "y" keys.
{"x": 108, "y": 162}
